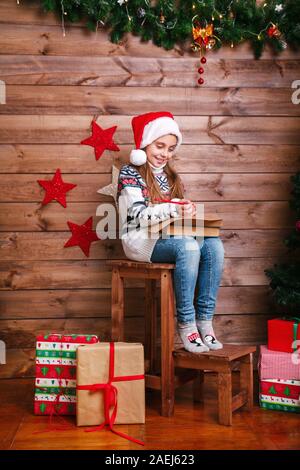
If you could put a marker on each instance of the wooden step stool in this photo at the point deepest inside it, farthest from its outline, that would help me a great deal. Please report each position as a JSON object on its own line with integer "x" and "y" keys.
{"x": 150, "y": 273}
{"x": 223, "y": 361}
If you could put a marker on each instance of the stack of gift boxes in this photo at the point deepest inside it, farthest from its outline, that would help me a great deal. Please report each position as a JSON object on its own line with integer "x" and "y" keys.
{"x": 100, "y": 383}
{"x": 279, "y": 366}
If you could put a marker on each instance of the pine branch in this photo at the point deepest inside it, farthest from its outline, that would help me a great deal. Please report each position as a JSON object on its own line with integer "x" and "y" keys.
{"x": 169, "y": 22}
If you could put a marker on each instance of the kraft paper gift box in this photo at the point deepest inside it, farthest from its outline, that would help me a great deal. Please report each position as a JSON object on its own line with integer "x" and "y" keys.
{"x": 208, "y": 226}
{"x": 94, "y": 368}
{"x": 55, "y": 379}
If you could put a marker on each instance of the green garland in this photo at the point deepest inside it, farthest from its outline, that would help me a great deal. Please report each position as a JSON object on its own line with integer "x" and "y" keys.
{"x": 169, "y": 22}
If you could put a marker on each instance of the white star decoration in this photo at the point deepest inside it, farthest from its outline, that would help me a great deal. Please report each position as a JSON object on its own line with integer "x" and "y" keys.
{"x": 279, "y": 7}
{"x": 112, "y": 188}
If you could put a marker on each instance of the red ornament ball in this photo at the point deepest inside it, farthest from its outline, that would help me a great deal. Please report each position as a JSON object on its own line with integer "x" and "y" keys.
{"x": 203, "y": 60}
{"x": 201, "y": 70}
{"x": 200, "y": 81}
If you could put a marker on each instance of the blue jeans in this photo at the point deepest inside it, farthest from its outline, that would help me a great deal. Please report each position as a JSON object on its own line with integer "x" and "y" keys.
{"x": 198, "y": 270}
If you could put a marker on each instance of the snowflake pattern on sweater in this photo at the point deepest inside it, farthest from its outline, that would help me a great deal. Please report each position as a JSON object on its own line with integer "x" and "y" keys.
{"x": 138, "y": 213}
{"x": 163, "y": 182}
{"x": 129, "y": 177}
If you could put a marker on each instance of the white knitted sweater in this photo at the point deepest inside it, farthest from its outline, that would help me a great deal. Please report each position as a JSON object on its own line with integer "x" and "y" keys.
{"x": 136, "y": 214}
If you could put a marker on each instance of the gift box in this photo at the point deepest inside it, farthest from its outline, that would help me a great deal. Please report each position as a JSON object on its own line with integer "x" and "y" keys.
{"x": 55, "y": 382}
{"x": 281, "y": 395}
{"x": 283, "y": 334}
{"x": 110, "y": 384}
{"x": 278, "y": 364}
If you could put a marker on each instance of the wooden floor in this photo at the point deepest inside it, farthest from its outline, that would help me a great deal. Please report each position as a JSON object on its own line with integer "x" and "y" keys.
{"x": 194, "y": 426}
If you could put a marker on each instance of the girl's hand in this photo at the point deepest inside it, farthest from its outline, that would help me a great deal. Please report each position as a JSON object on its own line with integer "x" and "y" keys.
{"x": 187, "y": 209}
{"x": 194, "y": 210}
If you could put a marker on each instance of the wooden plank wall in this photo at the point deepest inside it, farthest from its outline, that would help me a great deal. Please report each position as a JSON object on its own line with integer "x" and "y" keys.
{"x": 241, "y": 144}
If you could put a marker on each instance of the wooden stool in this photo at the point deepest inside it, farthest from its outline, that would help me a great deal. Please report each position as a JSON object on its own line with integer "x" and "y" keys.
{"x": 150, "y": 273}
{"x": 223, "y": 361}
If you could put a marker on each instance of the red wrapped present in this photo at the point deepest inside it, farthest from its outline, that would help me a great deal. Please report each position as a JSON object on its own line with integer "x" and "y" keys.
{"x": 284, "y": 334}
{"x": 55, "y": 383}
{"x": 280, "y": 395}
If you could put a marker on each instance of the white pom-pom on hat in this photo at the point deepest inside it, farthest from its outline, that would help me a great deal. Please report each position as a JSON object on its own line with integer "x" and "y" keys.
{"x": 138, "y": 157}
{"x": 149, "y": 127}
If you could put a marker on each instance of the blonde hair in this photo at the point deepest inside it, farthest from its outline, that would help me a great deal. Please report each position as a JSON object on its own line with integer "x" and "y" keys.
{"x": 174, "y": 180}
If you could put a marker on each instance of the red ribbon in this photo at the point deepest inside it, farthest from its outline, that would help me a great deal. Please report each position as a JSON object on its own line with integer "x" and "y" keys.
{"x": 53, "y": 411}
{"x": 169, "y": 200}
{"x": 111, "y": 397}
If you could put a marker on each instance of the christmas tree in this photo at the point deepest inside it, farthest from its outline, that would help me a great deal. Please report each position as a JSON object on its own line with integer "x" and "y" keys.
{"x": 285, "y": 278}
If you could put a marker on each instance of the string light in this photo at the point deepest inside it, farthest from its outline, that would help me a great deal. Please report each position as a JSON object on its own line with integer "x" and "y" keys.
{"x": 97, "y": 26}
{"x": 128, "y": 16}
{"x": 62, "y": 17}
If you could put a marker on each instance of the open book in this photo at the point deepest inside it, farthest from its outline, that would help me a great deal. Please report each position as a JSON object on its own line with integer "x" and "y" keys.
{"x": 209, "y": 226}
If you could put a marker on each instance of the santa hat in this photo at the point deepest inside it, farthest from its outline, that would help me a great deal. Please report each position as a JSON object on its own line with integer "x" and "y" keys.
{"x": 149, "y": 127}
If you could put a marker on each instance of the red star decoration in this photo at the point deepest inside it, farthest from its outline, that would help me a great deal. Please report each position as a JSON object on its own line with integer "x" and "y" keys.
{"x": 56, "y": 189}
{"x": 101, "y": 139}
{"x": 82, "y": 235}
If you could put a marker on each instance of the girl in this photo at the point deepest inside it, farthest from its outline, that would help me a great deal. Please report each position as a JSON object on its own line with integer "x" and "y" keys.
{"x": 198, "y": 264}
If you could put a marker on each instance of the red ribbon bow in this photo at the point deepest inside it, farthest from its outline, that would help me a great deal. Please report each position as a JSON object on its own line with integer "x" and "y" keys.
{"x": 53, "y": 412}
{"x": 111, "y": 397}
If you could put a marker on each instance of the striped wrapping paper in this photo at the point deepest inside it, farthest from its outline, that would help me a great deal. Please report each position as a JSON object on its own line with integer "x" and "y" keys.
{"x": 280, "y": 395}
{"x": 55, "y": 383}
